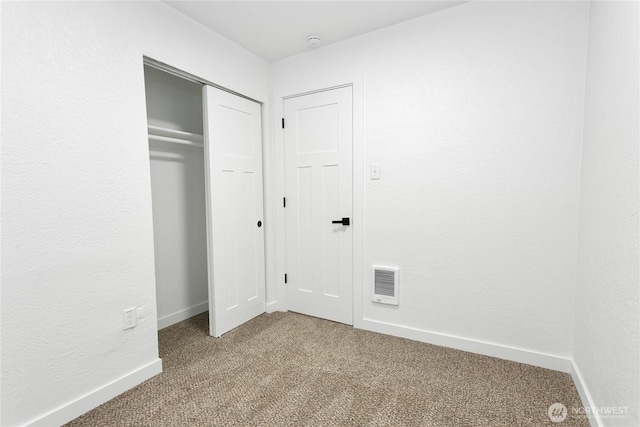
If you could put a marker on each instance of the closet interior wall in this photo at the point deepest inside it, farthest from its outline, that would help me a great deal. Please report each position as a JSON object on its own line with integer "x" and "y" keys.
{"x": 174, "y": 116}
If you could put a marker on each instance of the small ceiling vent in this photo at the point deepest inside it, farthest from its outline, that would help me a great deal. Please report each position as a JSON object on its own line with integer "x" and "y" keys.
{"x": 385, "y": 285}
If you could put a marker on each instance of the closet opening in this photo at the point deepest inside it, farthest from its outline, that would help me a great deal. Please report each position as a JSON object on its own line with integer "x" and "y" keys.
{"x": 177, "y": 165}
{"x": 205, "y": 154}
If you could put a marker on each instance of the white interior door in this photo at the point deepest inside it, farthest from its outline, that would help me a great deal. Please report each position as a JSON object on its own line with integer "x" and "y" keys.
{"x": 235, "y": 236}
{"x": 318, "y": 180}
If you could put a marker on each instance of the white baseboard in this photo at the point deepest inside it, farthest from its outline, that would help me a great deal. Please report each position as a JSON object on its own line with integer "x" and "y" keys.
{"x": 97, "y": 397}
{"x": 529, "y": 357}
{"x": 179, "y": 316}
{"x": 273, "y": 306}
{"x": 514, "y": 354}
{"x": 585, "y": 396}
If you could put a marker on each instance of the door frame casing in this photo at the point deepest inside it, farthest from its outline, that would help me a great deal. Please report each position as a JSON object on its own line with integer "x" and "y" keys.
{"x": 293, "y": 89}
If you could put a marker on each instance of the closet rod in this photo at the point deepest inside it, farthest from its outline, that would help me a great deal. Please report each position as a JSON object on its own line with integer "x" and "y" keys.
{"x": 176, "y": 141}
{"x": 174, "y": 133}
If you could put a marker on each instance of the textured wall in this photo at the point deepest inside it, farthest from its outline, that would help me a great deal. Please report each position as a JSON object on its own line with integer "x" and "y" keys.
{"x": 607, "y": 298}
{"x": 77, "y": 242}
{"x": 475, "y": 115}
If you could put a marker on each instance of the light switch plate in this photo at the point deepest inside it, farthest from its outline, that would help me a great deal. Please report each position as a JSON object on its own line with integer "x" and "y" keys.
{"x": 375, "y": 170}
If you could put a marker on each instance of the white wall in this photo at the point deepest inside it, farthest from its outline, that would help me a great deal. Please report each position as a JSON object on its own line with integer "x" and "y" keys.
{"x": 606, "y": 339}
{"x": 77, "y": 240}
{"x": 178, "y": 194}
{"x": 475, "y": 114}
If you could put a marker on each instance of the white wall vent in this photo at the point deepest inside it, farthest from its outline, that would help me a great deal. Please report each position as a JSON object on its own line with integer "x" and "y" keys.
{"x": 385, "y": 284}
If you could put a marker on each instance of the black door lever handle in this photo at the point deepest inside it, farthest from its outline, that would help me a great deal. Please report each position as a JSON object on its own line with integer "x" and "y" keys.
{"x": 343, "y": 221}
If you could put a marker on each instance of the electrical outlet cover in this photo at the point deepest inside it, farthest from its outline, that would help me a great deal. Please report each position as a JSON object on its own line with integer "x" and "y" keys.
{"x": 129, "y": 318}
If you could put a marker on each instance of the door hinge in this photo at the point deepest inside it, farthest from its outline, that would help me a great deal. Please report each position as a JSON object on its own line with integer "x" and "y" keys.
{"x": 285, "y": 278}
{"x": 284, "y": 202}
{"x": 283, "y": 123}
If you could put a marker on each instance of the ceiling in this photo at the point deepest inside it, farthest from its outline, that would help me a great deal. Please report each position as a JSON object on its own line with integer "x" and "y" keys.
{"x": 275, "y": 30}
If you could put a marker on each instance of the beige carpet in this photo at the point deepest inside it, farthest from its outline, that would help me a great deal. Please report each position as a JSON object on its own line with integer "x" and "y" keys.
{"x": 286, "y": 369}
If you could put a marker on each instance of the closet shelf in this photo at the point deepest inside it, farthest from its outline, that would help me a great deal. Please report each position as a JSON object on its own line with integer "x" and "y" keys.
{"x": 167, "y": 135}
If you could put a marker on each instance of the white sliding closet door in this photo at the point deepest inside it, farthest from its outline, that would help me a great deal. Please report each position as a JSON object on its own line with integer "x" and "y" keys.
{"x": 235, "y": 235}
